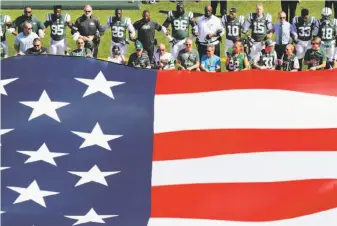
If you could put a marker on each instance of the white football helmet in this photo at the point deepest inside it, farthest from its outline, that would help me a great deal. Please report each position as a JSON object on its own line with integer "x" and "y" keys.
{"x": 326, "y": 12}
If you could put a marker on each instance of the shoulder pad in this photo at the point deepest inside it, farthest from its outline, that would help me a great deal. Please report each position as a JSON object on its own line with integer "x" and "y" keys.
{"x": 268, "y": 17}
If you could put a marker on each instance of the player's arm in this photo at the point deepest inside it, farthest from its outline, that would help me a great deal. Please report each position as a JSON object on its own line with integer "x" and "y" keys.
{"x": 100, "y": 30}
{"x": 131, "y": 29}
{"x": 166, "y": 24}
{"x": 293, "y": 30}
{"x": 247, "y": 23}
{"x": 12, "y": 29}
{"x": 245, "y": 63}
{"x": 107, "y": 24}
{"x": 316, "y": 29}
{"x": 68, "y": 21}
{"x": 160, "y": 28}
{"x": 42, "y": 29}
{"x": 193, "y": 24}
{"x": 270, "y": 26}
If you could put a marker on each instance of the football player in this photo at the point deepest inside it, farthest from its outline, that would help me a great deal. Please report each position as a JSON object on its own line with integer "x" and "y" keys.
{"x": 180, "y": 22}
{"x": 326, "y": 29}
{"x": 5, "y": 21}
{"x": 234, "y": 25}
{"x": 261, "y": 25}
{"x": 58, "y": 23}
{"x": 302, "y": 27}
{"x": 119, "y": 25}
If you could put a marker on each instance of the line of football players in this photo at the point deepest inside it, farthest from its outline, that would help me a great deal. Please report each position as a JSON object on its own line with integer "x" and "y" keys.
{"x": 253, "y": 30}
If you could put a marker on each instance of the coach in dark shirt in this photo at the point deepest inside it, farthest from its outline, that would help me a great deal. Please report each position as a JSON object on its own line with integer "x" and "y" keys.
{"x": 89, "y": 28}
{"x": 37, "y": 25}
{"x": 37, "y": 48}
{"x": 146, "y": 32}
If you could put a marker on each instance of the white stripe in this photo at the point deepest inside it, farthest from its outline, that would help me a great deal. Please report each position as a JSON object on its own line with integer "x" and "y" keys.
{"x": 250, "y": 167}
{"x": 325, "y": 218}
{"x": 244, "y": 109}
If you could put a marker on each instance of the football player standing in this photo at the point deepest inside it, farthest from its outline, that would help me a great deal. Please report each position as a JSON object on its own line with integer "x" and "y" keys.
{"x": 261, "y": 25}
{"x": 326, "y": 29}
{"x": 119, "y": 25}
{"x": 302, "y": 27}
{"x": 58, "y": 23}
{"x": 180, "y": 22}
{"x": 233, "y": 25}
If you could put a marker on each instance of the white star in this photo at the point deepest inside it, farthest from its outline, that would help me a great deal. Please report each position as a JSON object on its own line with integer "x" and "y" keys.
{"x": 1, "y": 212}
{"x": 5, "y": 82}
{"x": 91, "y": 216}
{"x": 3, "y": 168}
{"x": 96, "y": 137}
{"x": 4, "y": 131}
{"x": 93, "y": 175}
{"x": 44, "y": 106}
{"x": 43, "y": 154}
{"x": 33, "y": 193}
{"x": 99, "y": 84}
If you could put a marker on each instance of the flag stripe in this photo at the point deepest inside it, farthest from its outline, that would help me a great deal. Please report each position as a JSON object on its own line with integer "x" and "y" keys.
{"x": 264, "y": 109}
{"x": 325, "y": 218}
{"x": 244, "y": 201}
{"x": 249, "y": 167}
{"x": 169, "y": 82}
{"x": 203, "y": 143}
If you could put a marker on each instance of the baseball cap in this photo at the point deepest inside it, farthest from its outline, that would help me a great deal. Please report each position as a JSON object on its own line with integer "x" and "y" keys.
{"x": 232, "y": 10}
{"x": 269, "y": 42}
{"x": 139, "y": 45}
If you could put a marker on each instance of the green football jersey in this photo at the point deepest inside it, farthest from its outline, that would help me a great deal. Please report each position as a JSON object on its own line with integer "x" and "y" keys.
{"x": 119, "y": 28}
{"x": 180, "y": 24}
{"x": 4, "y": 19}
{"x": 57, "y": 25}
{"x": 236, "y": 62}
{"x": 327, "y": 30}
{"x": 259, "y": 26}
{"x": 316, "y": 57}
{"x": 81, "y": 52}
{"x": 267, "y": 59}
{"x": 233, "y": 27}
{"x": 304, "y": 28}
{"x": 290, "y": 62}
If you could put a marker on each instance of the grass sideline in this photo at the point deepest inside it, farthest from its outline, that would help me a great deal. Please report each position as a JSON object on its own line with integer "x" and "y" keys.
{"x": 244, "y": 7}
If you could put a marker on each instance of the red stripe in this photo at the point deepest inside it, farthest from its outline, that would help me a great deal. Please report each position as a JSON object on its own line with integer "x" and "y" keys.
{"x": 320, "y": 82}
{"x": 202, "y": 143}
{"x": 244, "y": 201}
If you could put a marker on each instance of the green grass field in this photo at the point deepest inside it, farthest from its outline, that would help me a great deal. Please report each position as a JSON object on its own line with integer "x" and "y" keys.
{"x": 244, "y": 7}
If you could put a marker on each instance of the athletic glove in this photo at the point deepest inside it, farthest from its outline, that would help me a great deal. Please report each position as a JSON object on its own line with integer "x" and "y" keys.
{"x": 41, "y": 33}
{"x": 76, "y": 36}
{"x": 11, "y": 30}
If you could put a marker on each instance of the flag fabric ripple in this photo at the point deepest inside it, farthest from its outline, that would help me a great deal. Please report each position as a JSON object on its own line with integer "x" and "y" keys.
{"x": 88, "y": 142}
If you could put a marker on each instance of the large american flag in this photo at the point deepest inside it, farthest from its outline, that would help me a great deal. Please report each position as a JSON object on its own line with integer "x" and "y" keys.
{"x": 87, "y": 142}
